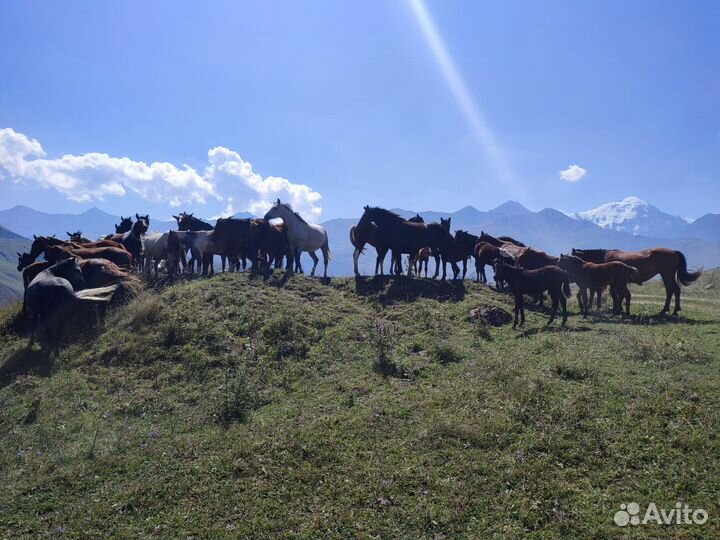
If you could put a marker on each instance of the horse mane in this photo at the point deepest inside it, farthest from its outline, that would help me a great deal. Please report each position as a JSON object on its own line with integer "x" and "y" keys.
{"x": 287, "y": 205}
{"x": 593, "y": 251}
{"x": 387, "y": 213}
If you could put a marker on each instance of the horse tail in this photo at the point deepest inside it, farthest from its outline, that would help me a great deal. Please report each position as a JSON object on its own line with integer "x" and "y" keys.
{"x": 566, "y": 286}
{"x": 100, "y": 295}
{"x": 352, "y": 238}
{"x": 683, "y": 276}
{"x": 326, "y": 248}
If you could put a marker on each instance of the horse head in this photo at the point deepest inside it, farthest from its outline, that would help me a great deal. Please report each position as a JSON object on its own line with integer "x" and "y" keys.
{"x": 445, "y": 224}
{"x": 24, "y": 259}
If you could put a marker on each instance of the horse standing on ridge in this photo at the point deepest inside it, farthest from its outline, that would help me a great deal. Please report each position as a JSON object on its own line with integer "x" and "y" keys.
{"x": 302, "y": 236}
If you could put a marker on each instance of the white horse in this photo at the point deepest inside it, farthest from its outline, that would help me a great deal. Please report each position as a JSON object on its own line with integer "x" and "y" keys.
{"x": 302, "y": 236}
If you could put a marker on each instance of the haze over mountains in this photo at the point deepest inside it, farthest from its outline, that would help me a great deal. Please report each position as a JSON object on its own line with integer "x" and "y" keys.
{"x": 629, "y": 224}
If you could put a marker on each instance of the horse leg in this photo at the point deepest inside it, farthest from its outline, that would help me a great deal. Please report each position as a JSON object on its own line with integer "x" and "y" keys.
{"x": 585, "y": 302}
{"x": 464, "y": 268}
{"x": 555, "y": 301}
{"x": 628, "y": 296}
{"x": 325, "y": 260}
{"x": 516, "y": 310}
{"x": 676, "y": 291}
{"x": 668, "y": 281}
{"x": 356, "y": 256}
{"x": 563, "y": 303}
{"x": 437, "y": 265}
{"x": 315, "y": 262}
{"x": 456, "y": 270}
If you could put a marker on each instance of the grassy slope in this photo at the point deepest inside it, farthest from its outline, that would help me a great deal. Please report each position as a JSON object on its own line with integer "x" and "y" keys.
{"x": 232, "y": 406}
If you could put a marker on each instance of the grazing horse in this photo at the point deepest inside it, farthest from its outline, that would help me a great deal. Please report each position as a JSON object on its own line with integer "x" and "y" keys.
{"x": 54, "y": 294}
{"x": 77, "y": 237}
{"x": 595, "y": 276}
{"x": 403, "y": 236}
{"x": 302, "y": 236}
{"x": 670, "y": 264}
{"x": 119, "y": 256}
{"x": 548, "y": 278}
{"x": 375, "y": 240}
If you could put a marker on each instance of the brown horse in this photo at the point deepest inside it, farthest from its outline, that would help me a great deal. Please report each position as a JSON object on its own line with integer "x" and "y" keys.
{"x": 548, "y": 278}
{"x": 511, "y": 240}
{"x": 510, "y": 248}
{"x": 596, "y": 276}
{"x": 485, "y": 255}
{"x": 396, "y": 259}
{"x": 464, "y": 247}
{"x": 120, "y": 257}
{"x": 421, "y": 258}
{"x": 40, "y": 243}
{"x": 670, "y": 264}
{"x": 77, "y": 237}
{"x": 372, "y": 238}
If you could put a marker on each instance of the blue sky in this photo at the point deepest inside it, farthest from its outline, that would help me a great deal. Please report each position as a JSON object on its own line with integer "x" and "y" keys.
{"x": 353, "y": 101}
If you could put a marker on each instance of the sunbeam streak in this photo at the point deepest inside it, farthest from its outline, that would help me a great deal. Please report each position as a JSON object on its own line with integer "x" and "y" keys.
{"x": 474, "y": 116}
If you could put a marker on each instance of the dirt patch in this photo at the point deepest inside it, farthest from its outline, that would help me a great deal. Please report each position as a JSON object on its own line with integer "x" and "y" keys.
{"x": 491, "y": 316}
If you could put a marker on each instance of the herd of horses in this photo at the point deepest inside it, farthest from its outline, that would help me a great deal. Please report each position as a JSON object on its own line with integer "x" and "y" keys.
{"x": 80, "y": 271}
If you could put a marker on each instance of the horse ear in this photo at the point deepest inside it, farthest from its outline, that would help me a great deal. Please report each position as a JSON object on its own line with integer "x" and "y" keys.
{"x": 176, "y": 218}
{"x": 18, "y": 254}
{"x": 136, "y": 216}
{"x": 34, "y": 237}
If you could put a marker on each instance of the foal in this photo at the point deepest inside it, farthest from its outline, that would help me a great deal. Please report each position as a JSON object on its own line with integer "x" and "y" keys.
{"x": 596, "y": 276}
{"x": 548, "y": 278}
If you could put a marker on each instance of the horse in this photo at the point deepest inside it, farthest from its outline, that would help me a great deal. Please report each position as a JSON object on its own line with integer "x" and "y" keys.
{"x": 125, "y": 224}
{"x": 77, "y": 237}
{"x": 40, "y": 243}
{"x": 485, "y": 255}
{"x": 396, "y": 258}
{"x": 397, "y": 263}
{"x": 511, "y": 240}
{"x": 132, "y": 240}
{"x": 101, "y": 273}
{"x": 269, "y": 244}
{"x": 419, "y": 259}
{"x": 465, "y": 245}
{"x": 164, "y": 247}
{"x": 548, "y": 278}
{"x": 593, "y": 276}
{"x": 302, "y": 236}
{"x": 510, "y": 247}
{"x": 55, "y": 293}
{"x": 121, "y": 257}
{"x": 188, "y": 222}
{"x": 670, "y": 264}
{"x": 403, "y": 236}
{"x": 375, "y": 240}
{"x": 231, "y": 237}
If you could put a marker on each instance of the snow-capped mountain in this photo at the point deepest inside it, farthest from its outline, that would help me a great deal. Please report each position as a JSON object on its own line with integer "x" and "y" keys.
{"x": 635, "y": 216}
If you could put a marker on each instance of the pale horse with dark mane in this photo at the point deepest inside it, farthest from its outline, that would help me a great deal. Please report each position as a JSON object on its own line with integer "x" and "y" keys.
{"x": 302, "y": 236}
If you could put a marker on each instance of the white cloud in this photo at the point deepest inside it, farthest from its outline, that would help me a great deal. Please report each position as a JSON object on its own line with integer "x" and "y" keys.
{"x": 574, "y": 173}
{"x": 95, "y": 176}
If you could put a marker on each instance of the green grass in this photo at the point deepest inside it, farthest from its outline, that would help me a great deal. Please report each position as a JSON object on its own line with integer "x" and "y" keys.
{"x": 237, "y": 407}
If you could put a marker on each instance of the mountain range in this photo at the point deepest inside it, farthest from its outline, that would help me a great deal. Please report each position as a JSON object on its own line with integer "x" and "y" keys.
{"x": 630, "y": 224}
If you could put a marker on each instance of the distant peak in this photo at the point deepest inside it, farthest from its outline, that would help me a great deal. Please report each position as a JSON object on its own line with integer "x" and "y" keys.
{"x": 511, "y": 206}
{"x": 632, "y": 199}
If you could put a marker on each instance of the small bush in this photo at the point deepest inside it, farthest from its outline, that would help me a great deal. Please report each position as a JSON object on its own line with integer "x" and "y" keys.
{"x": 444, "y": 353}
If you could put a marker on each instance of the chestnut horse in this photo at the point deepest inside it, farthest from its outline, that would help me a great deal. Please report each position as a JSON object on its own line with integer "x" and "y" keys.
{"x": 120, "y": 257}
{"x": 40, "y": 243}
{"x": 596, "y": 276}
{"x": 670, "y": 264}
{"x": 485, "y": 254}
{"x": 548, "y": 278}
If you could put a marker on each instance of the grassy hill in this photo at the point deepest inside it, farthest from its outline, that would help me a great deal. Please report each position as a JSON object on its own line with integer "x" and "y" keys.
{"x": 249, "y": 408}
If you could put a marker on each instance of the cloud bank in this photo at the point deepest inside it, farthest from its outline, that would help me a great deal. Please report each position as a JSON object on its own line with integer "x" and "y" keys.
{"x": 95, "y": 176}
{"x": 574, "y": 173}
